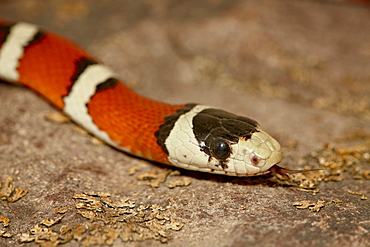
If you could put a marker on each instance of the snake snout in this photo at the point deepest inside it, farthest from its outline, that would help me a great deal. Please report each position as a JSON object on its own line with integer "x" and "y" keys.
{"x": 274, "y": 158}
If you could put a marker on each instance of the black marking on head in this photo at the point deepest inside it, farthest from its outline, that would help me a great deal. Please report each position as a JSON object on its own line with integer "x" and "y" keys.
{"x": 215, "y": 129}
{"x": 109, "y": 83}
{"x": 165, "y": 129}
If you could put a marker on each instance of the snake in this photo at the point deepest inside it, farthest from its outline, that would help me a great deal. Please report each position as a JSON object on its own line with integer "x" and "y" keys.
{"x": 190, "y": 136}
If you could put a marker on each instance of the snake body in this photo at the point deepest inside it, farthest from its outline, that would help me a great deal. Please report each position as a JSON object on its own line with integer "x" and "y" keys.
{"x": 190, "y": 136}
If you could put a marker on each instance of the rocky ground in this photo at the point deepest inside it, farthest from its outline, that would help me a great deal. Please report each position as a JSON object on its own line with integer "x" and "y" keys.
{"x": 301, "y": 68}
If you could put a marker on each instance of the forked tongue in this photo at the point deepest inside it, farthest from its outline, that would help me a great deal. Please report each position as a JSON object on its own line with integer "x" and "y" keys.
{"x": 275, "y": 169}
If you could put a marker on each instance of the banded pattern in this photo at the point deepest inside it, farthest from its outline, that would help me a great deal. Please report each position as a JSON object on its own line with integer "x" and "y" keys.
{"x": 12, "y": 51}
{"x": 191, "y": 136}
{"x": 76, "y": 83}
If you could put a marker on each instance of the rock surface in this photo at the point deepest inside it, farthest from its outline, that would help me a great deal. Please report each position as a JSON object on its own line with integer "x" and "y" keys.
{"x": 301, "y": 68}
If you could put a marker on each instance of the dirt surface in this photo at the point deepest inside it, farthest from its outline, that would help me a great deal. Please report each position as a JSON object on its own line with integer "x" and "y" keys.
{"x": 301, "y": 68}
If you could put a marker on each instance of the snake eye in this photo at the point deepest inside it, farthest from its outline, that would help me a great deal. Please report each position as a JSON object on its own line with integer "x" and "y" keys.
{"x": 220, "y": 149}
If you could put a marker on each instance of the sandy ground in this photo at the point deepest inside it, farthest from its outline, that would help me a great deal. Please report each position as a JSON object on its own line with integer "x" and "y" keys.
{"x": 301, "y": 68}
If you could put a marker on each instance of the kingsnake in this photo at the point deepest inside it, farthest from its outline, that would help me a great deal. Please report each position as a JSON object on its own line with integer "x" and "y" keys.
{"x": 190, "y": 136}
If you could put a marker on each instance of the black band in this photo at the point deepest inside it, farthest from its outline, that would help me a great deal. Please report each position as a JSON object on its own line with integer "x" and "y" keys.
{"x": 165, "y": 129}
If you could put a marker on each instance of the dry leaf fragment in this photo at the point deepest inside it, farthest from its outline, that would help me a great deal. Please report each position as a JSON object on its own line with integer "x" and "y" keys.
{"x": 366, "y": 174}
{"x": 5, "y": 221}
{"x": 155, "y": 178}
{"x": 79, "y": 196}
{"x": 303, "y": 204}
{"x": 363, "y": 196}
{"x": 79, "y": 232}
{"x": 43, "y": 234}
{"x": 62, "y": 211}
{"x": 133, "y": 170}
{"x": 179, "y": 183}
{"x": 6, "y": 189}
{"x": 313, "y": 191}
{"x": 26, "y": 238}
{"x": 337, "y": 201}
{"x": 49, "y": 222}
{"x": 317, "y": 206}
{"x": 90, "y": 215}
{"x": 111, "y": 234}
{"x": 57, "y": 117}
{"x": 314, "y": 207}
{"x": 18, "y": 194}
{"x": 97, "y": 193}
{"x": 175, "y": 225}
{"x": 97, "y": 141}
{"x": 9, "y": 193}
{"x": 65, "y": 228}
{"x": 5, "y": 234}
{"x": 80, "y": 130}
{"x": 355, "y": 193}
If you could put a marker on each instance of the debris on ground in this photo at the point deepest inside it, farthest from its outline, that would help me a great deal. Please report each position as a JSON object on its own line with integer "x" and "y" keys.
{"x": 107, "y": 221}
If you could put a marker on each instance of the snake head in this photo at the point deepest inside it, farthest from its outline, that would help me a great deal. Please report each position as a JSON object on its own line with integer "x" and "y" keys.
{"x": 215, "y": 141}
{"x": 255, "y": 155}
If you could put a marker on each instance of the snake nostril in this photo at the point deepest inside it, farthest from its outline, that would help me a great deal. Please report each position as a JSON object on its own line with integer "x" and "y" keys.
{"x": 255, "y": 160}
